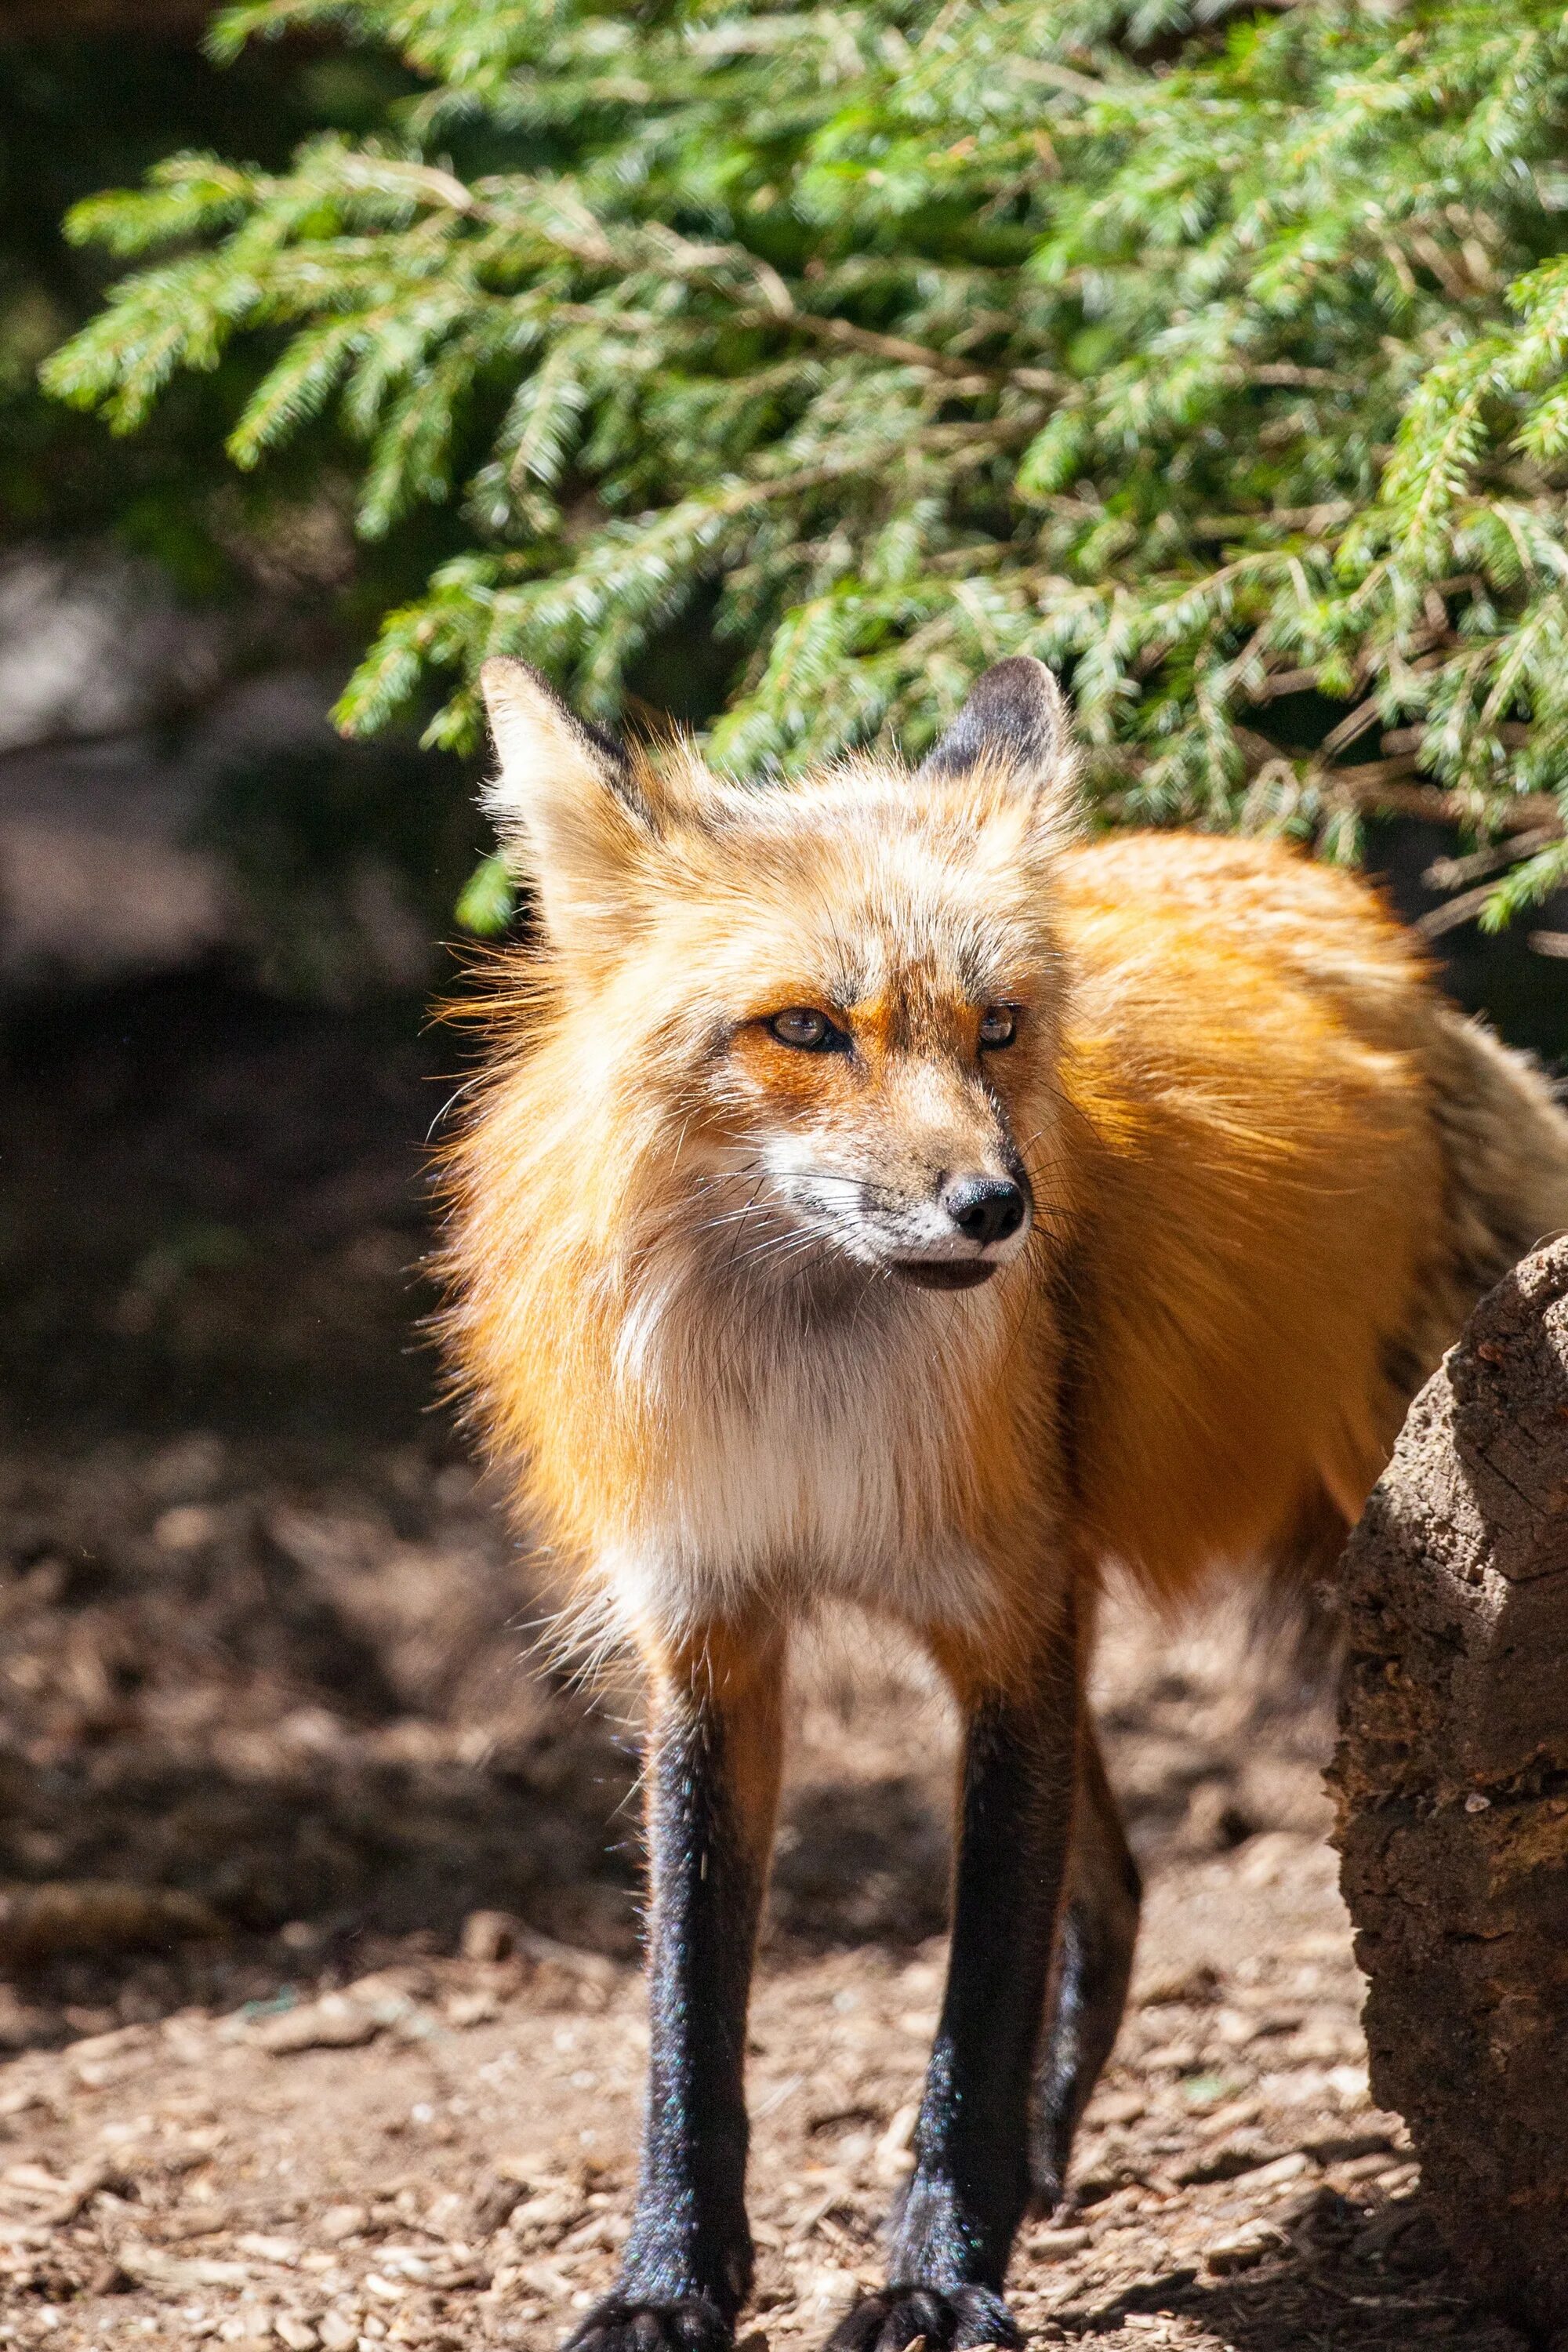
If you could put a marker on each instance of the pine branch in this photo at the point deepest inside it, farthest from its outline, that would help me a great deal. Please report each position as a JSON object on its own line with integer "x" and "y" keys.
{"x": 928, "y": 332}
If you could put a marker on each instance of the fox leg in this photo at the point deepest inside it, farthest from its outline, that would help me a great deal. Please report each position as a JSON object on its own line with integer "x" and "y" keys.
{"x": 712, "y": 1777}
{"x": 971, "y": 2182}
{"x": 1089, "y": 1977}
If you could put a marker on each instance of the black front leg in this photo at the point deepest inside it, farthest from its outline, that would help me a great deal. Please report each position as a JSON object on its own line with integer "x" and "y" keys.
{"x": 713, "y": 1790}
{"x": 970, "y": 2184}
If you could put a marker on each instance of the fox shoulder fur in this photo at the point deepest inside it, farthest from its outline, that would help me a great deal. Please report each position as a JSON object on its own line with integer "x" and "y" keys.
{"x": 706, "y": 1259}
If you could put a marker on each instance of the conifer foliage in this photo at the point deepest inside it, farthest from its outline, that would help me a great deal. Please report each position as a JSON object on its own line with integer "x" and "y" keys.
{"x": 1217, "y": 358}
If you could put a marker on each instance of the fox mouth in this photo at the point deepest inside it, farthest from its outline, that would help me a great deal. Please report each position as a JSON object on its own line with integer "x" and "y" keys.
{"x": 944, "y": 1272}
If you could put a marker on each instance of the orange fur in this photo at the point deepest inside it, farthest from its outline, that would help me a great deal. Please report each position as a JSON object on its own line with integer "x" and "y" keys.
{"x": 1233, "y": 1089}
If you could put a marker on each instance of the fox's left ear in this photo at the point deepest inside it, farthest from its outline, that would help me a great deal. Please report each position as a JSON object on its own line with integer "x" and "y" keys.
{"x": 1015, "y": 723}
{"x": 564, "y": 804}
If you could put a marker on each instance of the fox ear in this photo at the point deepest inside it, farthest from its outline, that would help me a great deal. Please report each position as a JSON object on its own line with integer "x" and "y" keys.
{"x": 564, "y": 804}
{"x": 1015, "y": 720}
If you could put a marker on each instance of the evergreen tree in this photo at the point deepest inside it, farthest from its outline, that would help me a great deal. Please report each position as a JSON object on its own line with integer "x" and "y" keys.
{"x": 1220, "y": 363}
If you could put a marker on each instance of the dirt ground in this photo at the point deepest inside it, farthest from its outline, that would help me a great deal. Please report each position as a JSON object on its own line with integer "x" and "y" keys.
{"x": 267, "y": 1671}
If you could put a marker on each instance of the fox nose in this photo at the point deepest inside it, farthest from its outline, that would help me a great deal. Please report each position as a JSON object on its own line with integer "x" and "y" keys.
{"x": 985, "y": 1208}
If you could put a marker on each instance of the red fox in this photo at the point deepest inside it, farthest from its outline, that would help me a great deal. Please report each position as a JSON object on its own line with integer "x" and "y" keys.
{"x": 881, "y": 1192}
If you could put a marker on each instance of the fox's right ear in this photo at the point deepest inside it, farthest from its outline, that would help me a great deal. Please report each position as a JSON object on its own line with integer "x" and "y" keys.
{"x": 563, "y": 804}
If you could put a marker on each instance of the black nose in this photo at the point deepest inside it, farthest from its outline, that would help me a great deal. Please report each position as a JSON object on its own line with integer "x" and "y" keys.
{"x": 985, "y": 1208}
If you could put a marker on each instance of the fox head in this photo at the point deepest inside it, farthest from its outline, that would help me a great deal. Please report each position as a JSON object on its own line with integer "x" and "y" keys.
{"x": 820, "y": 1017}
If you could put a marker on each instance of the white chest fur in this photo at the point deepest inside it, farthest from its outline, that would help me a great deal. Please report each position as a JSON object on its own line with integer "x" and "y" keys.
{"x": 796, "y": 1465}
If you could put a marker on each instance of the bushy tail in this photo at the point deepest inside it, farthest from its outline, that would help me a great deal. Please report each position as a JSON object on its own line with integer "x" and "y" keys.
{"x": 1502, "y": 1134}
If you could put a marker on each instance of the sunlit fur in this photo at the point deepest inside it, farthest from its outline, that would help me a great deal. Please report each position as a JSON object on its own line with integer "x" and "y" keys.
{"x": 1270, "y": 1171}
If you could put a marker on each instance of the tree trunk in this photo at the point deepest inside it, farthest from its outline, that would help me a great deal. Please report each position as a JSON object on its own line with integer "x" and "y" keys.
{"x": 1451, "y": 1778}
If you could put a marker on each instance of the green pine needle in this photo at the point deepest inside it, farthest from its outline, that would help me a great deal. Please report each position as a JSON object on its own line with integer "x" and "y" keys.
{"x": 1215, "y": 361}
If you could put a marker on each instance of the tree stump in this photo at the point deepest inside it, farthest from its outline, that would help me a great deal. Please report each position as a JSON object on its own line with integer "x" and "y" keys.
{"x": 1451, "y": 1776}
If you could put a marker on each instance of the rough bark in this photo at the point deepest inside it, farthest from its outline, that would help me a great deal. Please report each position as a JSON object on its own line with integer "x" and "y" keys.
{"x": 1451, "y": 1778}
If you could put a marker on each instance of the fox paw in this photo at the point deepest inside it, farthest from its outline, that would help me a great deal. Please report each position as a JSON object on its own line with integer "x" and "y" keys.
{"x": 950, "y": 2319}
{"x": 624, "y": 2324}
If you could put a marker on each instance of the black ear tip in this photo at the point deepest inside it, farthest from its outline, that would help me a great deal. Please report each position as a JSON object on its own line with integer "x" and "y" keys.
{"x": 1014, "y": 712}
{"x": 1020, "y": 691}
{"x": 1019, "y": 671}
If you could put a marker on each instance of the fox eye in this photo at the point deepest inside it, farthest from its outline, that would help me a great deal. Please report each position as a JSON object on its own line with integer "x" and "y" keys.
{"x": 998, "y": 1025}
{"x": 810, "y": 1031}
